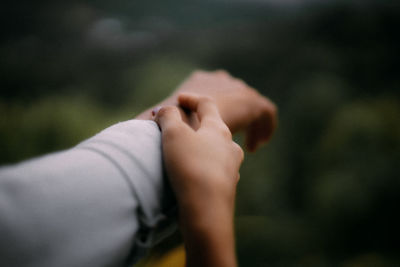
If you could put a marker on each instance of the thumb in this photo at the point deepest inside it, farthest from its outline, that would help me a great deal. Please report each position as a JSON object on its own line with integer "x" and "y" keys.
{"x": 168, "y": 118}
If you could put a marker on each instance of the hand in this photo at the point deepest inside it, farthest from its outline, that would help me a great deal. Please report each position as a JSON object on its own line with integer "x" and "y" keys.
{"x": 241, "y": 107}
{"x": 203, "y": 168}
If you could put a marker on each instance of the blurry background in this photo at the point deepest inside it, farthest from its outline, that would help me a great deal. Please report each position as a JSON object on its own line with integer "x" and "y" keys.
{"x": 325, "y": 191}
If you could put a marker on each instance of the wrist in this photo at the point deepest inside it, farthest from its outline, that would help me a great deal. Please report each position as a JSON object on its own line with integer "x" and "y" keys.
{"x": 208, "y": 236}
{"x": 206, "y": 215}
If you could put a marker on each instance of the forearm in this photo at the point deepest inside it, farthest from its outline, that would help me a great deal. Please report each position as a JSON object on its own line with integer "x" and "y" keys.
{"x": 207, "y": 229}
{"x": 203, "y": 168}
{"x": 97, "y": 204}
{"x": 208, "y": 234}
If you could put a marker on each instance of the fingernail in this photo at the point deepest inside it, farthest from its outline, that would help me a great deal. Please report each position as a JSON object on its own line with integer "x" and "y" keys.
{"x": 155, "y": 111}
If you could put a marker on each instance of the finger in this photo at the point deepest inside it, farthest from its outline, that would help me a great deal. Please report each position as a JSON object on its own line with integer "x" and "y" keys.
{"x": 168, "y": 118}
{"x": 205, "y": 107}
{"x": 239, "y": 152}
{"x": 260, "y": 131}
{"x": 252, "y": 137}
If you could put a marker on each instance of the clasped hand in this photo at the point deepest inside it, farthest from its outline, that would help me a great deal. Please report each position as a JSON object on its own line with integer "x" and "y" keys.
{"x": 202, "y": 161}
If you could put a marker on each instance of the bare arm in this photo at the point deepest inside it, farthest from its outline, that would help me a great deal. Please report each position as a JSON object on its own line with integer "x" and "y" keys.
{"x": 203, "y": 168}
{"x": 240, "y": 106}
{"x": 110, "y": 187}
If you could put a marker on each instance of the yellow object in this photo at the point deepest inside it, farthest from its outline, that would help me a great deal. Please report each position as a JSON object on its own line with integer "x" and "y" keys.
{"x": 174, "y": 258}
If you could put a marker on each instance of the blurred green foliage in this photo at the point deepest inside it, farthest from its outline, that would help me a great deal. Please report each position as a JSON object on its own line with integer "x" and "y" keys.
{"x": 324, "y": 191}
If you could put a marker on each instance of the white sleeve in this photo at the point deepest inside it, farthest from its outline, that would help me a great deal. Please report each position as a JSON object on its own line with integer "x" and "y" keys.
{"x": 101, "y": 203}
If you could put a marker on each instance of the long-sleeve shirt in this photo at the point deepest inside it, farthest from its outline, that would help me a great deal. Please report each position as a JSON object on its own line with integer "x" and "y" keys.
{"x": 101, "y": 203}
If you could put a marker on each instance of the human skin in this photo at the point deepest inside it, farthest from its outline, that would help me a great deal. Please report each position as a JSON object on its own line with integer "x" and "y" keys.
{"x": 203, "y": 168}
{"x": 240, "y": 106}
{"x": 202, "y": 161}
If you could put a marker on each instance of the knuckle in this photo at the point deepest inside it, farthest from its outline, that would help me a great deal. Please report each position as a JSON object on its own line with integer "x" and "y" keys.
{"x": 240, "y": 82}
{"x": 254, "y": 93}
{"x": 215, "y": 123}
{"x": 270, "y": 110}
{"x": 166, "y": 110}
{"x": 269, "y": 106}
{"x": 274, "y": 109}
{"x": 225, "y": 131}
{"x": 239, "y": 151}
{"x": 206, "y": 100}
{"x": 222, "y": 73}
